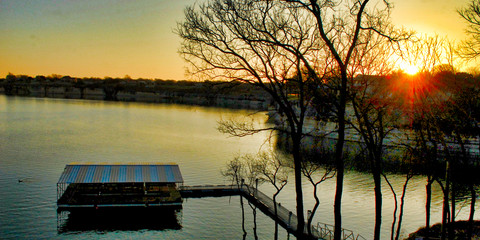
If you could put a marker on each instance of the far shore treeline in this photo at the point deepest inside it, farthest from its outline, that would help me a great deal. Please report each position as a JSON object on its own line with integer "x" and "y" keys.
{"x": 210, "y": 93}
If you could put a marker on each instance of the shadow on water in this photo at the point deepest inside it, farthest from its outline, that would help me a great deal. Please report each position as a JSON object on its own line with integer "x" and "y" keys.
{"x": 118, "y": 220}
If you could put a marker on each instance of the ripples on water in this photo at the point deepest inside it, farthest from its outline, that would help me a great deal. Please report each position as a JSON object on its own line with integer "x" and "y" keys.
{"x": 38, "y": 137}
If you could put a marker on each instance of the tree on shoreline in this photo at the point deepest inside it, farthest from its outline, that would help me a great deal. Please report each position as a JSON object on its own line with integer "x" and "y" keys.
{"x": 272, "y": 169}
{"x": 470, "y": 48}
{"x": 244, "y": 171}
{"x": 263, "y": 43}
{"x": 345, "y": 29}
{"x": 310, "y": 169}
{"x": 271, "y": 43}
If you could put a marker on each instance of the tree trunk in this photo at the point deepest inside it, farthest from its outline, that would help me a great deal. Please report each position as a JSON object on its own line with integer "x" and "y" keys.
{"x": 451, "y": 223}
{"x": 375, "y": 162}
{"x": 315, "y": 207}
{"x": 338, "y": 202}
{"x": 339, "y": 164}
{"x": 402, "y": 204}
{"x": 472, "y": 211}
{"x": 452, "y": 199}
{"x": 298, "y": 184}
{"x": 392, "y": 233}
{"x": 276, "y": 215}
{"x": 378, "y": 204}
{"x": 445, "y": 204}
{"x": 428, "y": 204}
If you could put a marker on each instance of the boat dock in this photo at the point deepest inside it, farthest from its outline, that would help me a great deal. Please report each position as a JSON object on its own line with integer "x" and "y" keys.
{"x": 284, "y": 217}
{"x": 86, "y": 186}
{"x": 128, "y": 185}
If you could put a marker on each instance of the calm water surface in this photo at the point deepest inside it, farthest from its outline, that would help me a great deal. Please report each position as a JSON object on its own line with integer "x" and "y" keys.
{"x": 38, "y": 137}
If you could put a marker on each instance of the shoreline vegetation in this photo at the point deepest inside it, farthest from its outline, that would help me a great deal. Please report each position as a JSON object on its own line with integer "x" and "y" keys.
{"x": 461, "y": 228}
{"x": 207, "y": 93}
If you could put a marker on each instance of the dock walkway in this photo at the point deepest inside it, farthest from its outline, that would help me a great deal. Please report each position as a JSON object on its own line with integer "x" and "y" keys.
{"x": 284, "y": 217}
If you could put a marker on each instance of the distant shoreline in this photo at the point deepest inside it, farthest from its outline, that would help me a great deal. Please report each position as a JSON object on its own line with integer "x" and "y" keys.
{"x": 221, "y": 94}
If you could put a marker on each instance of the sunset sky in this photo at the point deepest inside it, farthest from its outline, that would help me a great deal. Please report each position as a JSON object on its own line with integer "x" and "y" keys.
{"x": 99, "y": 38}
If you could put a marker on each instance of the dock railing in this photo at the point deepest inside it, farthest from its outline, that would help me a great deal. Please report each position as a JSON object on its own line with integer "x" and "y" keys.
{"x": 284, "y": 216}
{"x": 327, "y": 232}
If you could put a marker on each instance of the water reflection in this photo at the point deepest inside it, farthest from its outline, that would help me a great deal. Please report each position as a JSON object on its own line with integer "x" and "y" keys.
{"x": 118, "y": 220}
{"x": 41, "y": 136}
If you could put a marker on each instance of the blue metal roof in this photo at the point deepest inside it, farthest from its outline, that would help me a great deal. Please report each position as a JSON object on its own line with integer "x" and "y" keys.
{"x": 117, "y": 173}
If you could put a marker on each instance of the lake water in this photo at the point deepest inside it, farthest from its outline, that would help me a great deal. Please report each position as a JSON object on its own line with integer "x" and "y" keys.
{"x": 38, "y": 137}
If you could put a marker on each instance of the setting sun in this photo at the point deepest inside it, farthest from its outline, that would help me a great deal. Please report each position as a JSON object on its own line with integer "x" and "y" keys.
{"x": 408, "y": 68}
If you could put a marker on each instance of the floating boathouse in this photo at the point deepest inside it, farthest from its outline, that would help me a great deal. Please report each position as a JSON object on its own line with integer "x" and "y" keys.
{"x": 85, "y": 185}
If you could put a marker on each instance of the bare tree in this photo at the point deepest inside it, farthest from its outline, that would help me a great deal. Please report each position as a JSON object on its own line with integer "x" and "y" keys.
{"x": 244, "y": 171}
{"x": 428, "y": 93}
{"x": 311, "y": 170}
{"x": 470, "y": 48}
{"x": 268, "y": 43}
{"x": 375, "y": 112}
{"x": 374, "y": 120}
{"x": 235, "y": 172}
{"x": 447, "y": 118}
{"x": 272, "y": 169}
{"x": 395, "y": 233}
{"x": 461, "y": 124}
{"x": 428, "y": 53}
{"x": 344, "y": 27}
{"x": 425, "y": 148}
{"x": 264, "y": 43}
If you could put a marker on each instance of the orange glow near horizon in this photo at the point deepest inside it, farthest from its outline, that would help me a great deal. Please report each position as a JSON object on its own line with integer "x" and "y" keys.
{"x": 93, "y": 38}
{"x": 413, "y": 90}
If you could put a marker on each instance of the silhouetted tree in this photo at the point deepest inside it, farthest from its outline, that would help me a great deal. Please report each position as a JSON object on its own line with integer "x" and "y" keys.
{"x": 470, "y": 48}
{"x": 405, "y": 166}
{"x": 429, "y": 98}
{"x": 375, "y": 118}
{"x": 345, "y": 29}
{"x": 461, "y": 124}
{"x": 10, "y": 82}
{"x": 266, "y": 43}
{"x": 244, "y": 171}
{"x": 311, "y": 169}
{"x": 272, "y": 169}
{"x": 262, "y": 43}
{"x": 425, "y": 147}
